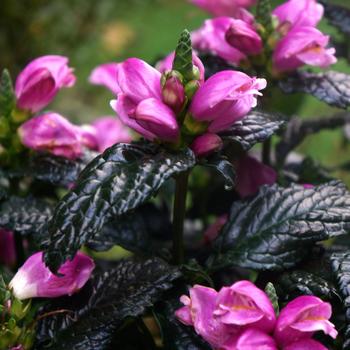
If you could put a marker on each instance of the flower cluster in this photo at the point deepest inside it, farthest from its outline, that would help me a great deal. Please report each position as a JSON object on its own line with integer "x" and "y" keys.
{"x": 294, "y": 42}
{"x": 242, "y": 317}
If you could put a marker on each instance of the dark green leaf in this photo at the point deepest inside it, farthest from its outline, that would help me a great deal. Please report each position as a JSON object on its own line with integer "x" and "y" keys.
{"x": 175, "y": 335}
{"x": 341, "y": 269}
{"x": 275, "y": 229}
{"x": 122, "y": 178}
{"x": 253, "y": 128}
{"x": 96, "y": 313}
{"x": 25, "y": 215}
{"x": 338, "y": 16}
{"x": 296, "y": 283}
{"x": 224, "y": 168}
{"x": 183, "y": 55}
{"x": 330, "y": 87}
{"x": 263, "y": 15}
{"x": 214, "y": 64}
{"x": 7, "y": 95}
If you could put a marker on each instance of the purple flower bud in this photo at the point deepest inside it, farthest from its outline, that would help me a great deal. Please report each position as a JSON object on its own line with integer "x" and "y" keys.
{"x": 7, "y": 247}
{"x": 52, "y": 133}
{"x": 106, "y": 75}
{"x": 41, "y": 79}
{"x": 225, "y": 98}
{"x": 173, "y": 92}
{"x": 218, "y": 8}
{"x": 244, "y": 304}
{"x": 34, "y": 279}
{"x": 297, "y": 13}
{"x": 303, "y": 45}
{"x": 251, "y": 174}
{"x": 211, "y": 38}
{"x": 243, "y": 36}
{"x": 305, "y": 344}
{"x": 206, "y": 144}
{"x": 300, "y": 318}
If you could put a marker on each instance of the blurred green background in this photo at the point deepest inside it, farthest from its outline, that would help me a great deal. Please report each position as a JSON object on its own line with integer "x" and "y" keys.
{"x": 92, "y": 32}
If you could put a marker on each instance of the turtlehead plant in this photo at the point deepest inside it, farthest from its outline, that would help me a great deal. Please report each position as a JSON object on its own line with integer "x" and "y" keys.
{"x": 187, "y": 217}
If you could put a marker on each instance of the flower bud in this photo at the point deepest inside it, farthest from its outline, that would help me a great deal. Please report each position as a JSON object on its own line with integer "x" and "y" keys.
{"x": 191, "y": 88}
{"x": 34, "y": 279}
{"x": 40, "y": 81}
{"x": 173, "y": 92}
{"x": 206, "y": 144}
{"x": 244, "y": 37}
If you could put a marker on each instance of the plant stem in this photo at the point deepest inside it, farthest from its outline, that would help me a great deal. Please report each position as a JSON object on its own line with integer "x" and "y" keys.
{"x": 179, "y": 216}
{"x": 266, "y": 150}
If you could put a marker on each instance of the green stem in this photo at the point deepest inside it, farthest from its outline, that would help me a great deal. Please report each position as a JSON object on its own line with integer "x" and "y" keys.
{"x": 179, "y": 216}
{"x": 266, "y": 151}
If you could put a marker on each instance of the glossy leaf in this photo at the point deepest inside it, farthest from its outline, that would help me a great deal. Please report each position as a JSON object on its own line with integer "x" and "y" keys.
{"x": 214, "y": 64}
{"x": 120, "y": 179}
{"x": 330, "y": 86}
{"x": 224, "y": 168}
{"x": 338, "y": 16}
{"x": 183, "y": 55}
{"x": 253, "y": 128}
{"x": 96, "y": 313}
{"x": 275, "y": 229}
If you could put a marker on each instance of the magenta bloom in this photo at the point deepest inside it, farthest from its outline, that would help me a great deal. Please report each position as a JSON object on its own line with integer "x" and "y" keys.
{"x": 303, "y": 45}
{"x": 301, "y": 318}
{"x": 40, "y": 81}
{"x": 167, "y": 64}
{"x": 7, "y": 247}
{"x": 223, "y": 7}
{"x": 206, "y": 144}
{"x": 243, "y": 36}
{"x": 109, "y": 131}
{"x": 225, "y": 98}
{"x": 34, "y": 279}
{"x": 211, "y": 38}
{"x": 198, "y": 312}
{"x": 250, "y": 339}
{"x": 140, "y": 105}
{"x": 244, "y": 304}
{"x": 106, "y": 75}
{"x": 52, "y": 133}
{"x": 251, "y": 174}
{"x": 299, "y": 13}
{"x": 305, "y": 344}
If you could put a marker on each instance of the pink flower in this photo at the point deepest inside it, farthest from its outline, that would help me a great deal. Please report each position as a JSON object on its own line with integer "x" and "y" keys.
{"x": 303, "y": 45}
{"x": 40, "y": 81}
{"x": 198, "y": 312}
{"x": 106, "y": 75}
{"x": 251, "y": 174}
{"x": 109, "y": 131}
{"x": 211, "y": 38}
{"x": 225, "y": 98}
{"x": 244, "y": 304}
{"x": 305, "y": 344}
{"x": 299, "y": 13}
{"x": 167, "y": 64}
{"x": 223, "y": 7}
{"x": 206, "y": 144}
{"x": 34, "y": 279}
{"x": 52, "y": 133}
{"x": 243, "y": 37}
{"x": 139, "y": 103}
{"x": 7, "y": 247}
{"x": 300, "y": 318}
{"x": 250, "y": 339}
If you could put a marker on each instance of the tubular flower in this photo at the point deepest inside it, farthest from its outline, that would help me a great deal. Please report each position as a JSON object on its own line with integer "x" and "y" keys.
{"x": 251, "y": 174}
{"x": 218, "y": 8}
{"x": 297, "y": 13}
{"x": 211, "y": 38}
{"x": 106, "y": 75}
{"x": 52, "y": 133}
{"x": 7, "y": 247}
{"x": 40, "y": 81}
{"x": 206, "y": 144}
{"x": 243, "y": 36}
{"x": 303, "y": 45}
{"x": 300, "y": 318}
{"x": 244, "y": 304}
{"x": 305, "y": 344}
{"x": 139, "y": 103}
{"x": 34, "y": 279}
{"x": 225, "y": 98}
